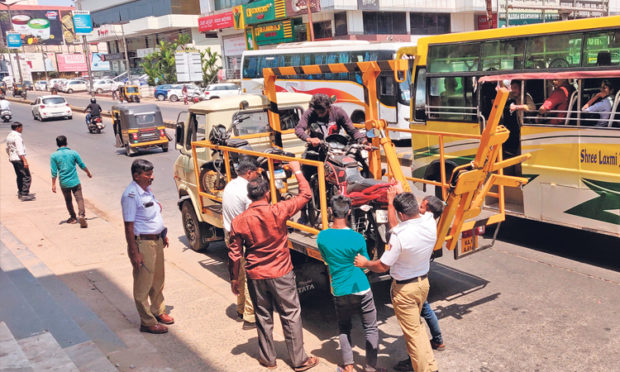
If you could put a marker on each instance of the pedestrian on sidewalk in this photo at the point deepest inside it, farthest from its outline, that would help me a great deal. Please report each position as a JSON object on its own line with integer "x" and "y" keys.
{"x": 16, "y": 150}
{"x": 63, "y": 163}
{"x": 262, "y": 230}
{"x": 184, "y": 92}
{"x": 407, "y": 257}
{"x": 146, "y": 239}
{"x": 234, "y": 202}
{"x": 352, "y": 294}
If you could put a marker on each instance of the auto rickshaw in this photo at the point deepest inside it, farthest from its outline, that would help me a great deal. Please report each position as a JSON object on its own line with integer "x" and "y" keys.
{"x": 129, "y": 93}
{"x": 139, "y": 127}
{"x": 19, "y": 90}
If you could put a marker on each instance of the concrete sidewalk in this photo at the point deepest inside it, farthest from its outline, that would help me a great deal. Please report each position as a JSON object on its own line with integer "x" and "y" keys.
{"x": 93, "y": 263}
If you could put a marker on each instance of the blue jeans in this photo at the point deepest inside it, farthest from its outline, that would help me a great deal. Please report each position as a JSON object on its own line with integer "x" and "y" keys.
{"x": 433, "y": 324}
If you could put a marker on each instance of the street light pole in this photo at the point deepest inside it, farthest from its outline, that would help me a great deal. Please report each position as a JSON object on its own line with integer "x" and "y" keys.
{"x": 86, "y": 50}
{"x": 125, "y": 48}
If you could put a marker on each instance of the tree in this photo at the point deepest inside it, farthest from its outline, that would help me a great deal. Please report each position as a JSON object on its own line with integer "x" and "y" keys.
{"x": 160, "y": 66}
{"x": 208, "y": 61}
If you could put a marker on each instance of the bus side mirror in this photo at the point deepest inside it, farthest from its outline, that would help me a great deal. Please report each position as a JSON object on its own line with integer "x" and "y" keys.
{"x": 179, "y": 136}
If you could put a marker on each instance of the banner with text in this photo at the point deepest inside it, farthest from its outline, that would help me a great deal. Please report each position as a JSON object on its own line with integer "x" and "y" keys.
{"x": 215, "y": 22}
{"x": 71, "y": 62}
{"x": 273, "y": 33}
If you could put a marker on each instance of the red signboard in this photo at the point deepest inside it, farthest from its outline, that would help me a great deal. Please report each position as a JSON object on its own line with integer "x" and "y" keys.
{"x": 484, "y": 23}
{"x": 215, "y": 22}
{"x": 71, "y": 62}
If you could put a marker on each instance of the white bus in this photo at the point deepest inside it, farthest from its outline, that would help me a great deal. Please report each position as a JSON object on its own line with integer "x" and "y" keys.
{"x": 394, "y": 98}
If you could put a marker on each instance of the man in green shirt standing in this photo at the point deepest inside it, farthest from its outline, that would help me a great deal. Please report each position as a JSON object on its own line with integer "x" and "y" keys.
{"x": 63, "y": 163}
{"x": 352, "y": 294}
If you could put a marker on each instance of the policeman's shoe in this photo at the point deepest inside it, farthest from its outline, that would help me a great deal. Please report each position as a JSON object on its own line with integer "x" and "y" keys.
{"x": 156, "y": 329}
{"x": 165, "y": 318}
{"x": 439, "y": 346}
{"x": 404, "y": 365}
{"x": 28, "y": 197}
{"x": 248, "y": 325}
{"x": 83, "y": 223}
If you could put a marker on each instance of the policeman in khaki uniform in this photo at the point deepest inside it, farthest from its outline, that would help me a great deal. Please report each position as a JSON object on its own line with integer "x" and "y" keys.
{"x": 146, "y": 240}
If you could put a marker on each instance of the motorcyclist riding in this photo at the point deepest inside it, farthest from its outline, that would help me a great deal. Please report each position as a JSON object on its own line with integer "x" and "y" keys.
{"x": 93, "y": 109}
{"x": 319, "y": 121}
{"x": 4, "y": 104}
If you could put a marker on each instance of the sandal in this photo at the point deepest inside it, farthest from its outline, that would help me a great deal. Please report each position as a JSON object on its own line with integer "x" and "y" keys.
{"x": 309, "y": 363}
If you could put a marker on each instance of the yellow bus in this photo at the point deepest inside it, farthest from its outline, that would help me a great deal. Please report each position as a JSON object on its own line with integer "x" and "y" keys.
{"x": 565, "y": 82}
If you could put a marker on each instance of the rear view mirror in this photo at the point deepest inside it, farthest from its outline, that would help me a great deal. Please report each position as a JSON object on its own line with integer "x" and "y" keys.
{"x": 179, "y": 136}
{"x": 372, "y": 133}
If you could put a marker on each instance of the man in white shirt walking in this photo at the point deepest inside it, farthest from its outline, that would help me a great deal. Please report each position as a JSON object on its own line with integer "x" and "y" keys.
{"x": 17, "y": 156}
{"x": 234, "y": 202}
{"x": 408, "y": 259}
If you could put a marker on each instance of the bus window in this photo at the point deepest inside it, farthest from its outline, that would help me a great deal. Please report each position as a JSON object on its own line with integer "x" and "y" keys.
{"x": 553, "y": 51}
{"x": 455, "y": 98}
{"x": 504, "y": 55}
{"x": 420, "y": 95}
{"x": 387, "y": 90}
{"x": 250, "y": 68}
{"x": 453, "y": 57}
{"x": 602, "y": 49}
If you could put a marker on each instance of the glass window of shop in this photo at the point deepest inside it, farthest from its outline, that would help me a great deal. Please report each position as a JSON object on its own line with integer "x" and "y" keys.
{"x": 144, "y": 8}
{"x": 227, "y": 4}
{"x": 429, "y": 24}
{"x": 385, "y": 23}
{"x": 322, "y": 30}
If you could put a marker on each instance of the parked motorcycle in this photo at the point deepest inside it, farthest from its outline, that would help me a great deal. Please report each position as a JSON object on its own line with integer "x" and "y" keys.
{"x": 346, "y": 168}
{"x": 6, "y": 115}
{"x": 95, "y": 124}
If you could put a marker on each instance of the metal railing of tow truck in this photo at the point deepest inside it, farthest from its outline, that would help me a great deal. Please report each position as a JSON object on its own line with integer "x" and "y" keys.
{"x": 470, "y": 183}
{"x": 270, "y": 159}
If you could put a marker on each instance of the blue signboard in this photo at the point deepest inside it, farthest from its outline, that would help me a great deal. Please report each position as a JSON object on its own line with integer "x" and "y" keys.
{"x": 81, "y": 22}
{"x": 13, "y": 39}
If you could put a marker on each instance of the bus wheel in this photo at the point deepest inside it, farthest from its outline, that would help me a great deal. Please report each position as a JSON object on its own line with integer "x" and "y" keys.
{"x": 195, "y": 231}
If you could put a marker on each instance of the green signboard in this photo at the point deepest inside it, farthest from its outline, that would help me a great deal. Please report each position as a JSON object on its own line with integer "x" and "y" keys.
{"x": 262, "y": 11}
{"x": 274, "y": 33}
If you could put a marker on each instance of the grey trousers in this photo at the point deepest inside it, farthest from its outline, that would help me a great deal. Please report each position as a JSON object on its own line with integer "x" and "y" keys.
{"x": 364, "y": 305}
{"x": 79, "y": 199}
{"x": 281, "y": 294}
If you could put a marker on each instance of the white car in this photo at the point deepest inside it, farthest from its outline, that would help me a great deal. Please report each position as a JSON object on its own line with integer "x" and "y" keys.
{"x": 104, "y": 85}
{"x": 75, "y": 86}
{"x": 47, "y": 107}
{"x": 221, "y": 90}
{"x": 40, "y": 85}
{"x": 176, "y": 92}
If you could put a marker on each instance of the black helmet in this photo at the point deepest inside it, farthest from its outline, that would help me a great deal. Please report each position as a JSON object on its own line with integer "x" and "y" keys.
{"x": 219, "y": 135}
{"x": 93, "y": 100}
{"x": 2, "y": 97}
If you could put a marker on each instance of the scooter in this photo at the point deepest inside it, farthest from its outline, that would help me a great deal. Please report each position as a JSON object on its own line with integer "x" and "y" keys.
{"x": 6, "y": 115}
{"x": 95, "y": 124}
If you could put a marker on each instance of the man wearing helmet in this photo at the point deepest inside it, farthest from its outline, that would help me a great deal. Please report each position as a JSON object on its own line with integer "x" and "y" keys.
{"x": 93, "y": 109}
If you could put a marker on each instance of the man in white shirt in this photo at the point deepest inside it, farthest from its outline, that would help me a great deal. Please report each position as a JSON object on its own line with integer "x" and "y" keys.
{"x": 4, "y": 104}
{"x": 17, "y": 156}
{"x": 234, "y": 202}
{"x": 408, "y": 259}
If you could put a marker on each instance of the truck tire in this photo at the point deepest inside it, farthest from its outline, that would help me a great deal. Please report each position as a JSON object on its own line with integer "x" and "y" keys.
{"x": 195, "y": 231}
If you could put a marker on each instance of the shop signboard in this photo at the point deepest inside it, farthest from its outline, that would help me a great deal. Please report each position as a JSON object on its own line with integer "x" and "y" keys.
{"x": 234, "y": 46}
{"x": 368, "y": 4}
{"x": 262, "y": 11}
{"x": 249, "y": 38}
{"x": 238, "y": 19}
{"x": 215, "y": 22}
{"x": 113, "y": 57}
{"x": 298, "y": 7}
{"x": 35, "y": 26}
{"x": 273, "y": 33}
{"x": 484, "y": 23}
{"x": 82, "y": 23}
{"x": 13, "y": 40}
{"x": 39, "y": 62}
{"x": 71, "y": 62}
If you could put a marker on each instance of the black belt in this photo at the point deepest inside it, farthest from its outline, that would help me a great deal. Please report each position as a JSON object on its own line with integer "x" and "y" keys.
{"x": 417, "y": 278}
{"x": 149, "y": 236}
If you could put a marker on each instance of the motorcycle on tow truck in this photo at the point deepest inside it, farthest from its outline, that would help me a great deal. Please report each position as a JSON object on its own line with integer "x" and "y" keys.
{"x": 347, "y": 173}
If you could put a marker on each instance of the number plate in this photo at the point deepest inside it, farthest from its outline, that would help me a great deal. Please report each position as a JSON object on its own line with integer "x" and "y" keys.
{"x": 469, "y": 244}
{"x": 381, "y": 215}
{"x": 279, "y": 173}
{"x": 279, "y": 184}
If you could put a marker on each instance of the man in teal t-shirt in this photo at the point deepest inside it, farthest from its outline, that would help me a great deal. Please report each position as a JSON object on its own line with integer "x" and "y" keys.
{"x": 63, "y": 163}
{"x": 352, "y": 294}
